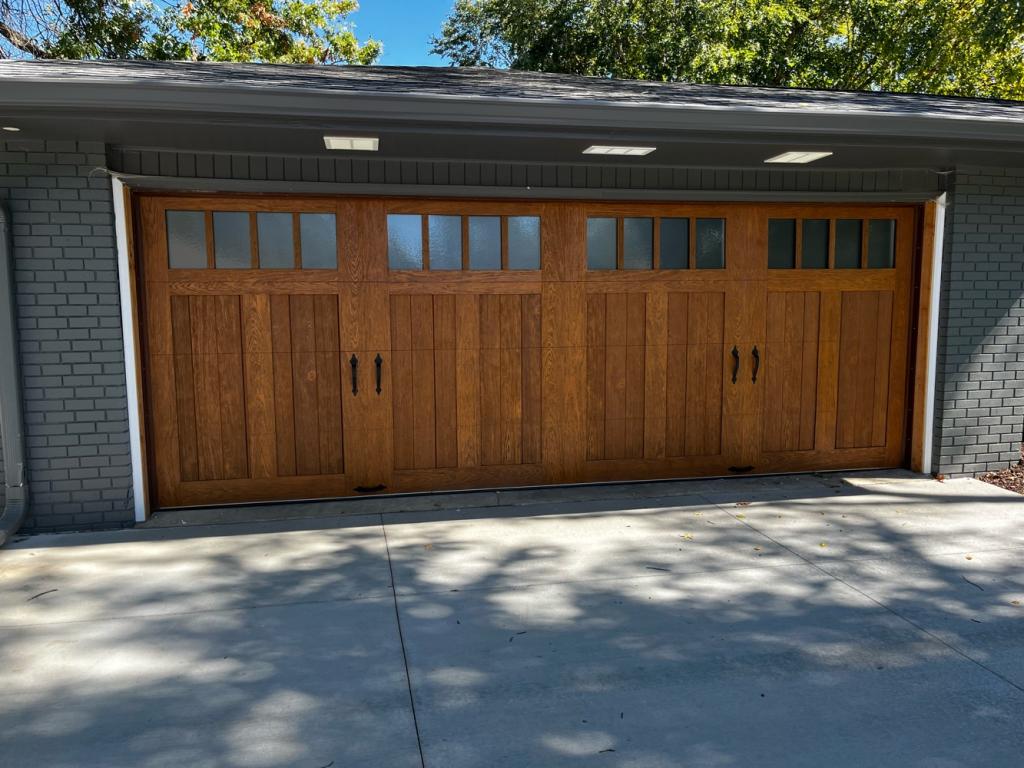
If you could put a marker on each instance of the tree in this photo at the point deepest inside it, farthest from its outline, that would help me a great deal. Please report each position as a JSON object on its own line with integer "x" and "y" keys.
{"x": 962, "y": 47}
{"x": 295, "y": 31}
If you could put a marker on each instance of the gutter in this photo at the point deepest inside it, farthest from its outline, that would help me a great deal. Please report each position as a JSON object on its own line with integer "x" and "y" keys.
{"x": 12, "y": 435}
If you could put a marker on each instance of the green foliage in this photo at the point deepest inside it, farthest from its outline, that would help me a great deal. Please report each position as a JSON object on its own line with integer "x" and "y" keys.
{"x": 963, "y": 47}
{"x": 291, "y": 31}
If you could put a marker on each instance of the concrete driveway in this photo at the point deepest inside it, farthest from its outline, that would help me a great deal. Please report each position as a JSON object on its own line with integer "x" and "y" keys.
{"x": 825, "y": 621}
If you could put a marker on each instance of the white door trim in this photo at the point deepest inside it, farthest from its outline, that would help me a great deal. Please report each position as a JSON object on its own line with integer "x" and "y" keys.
{"x": 934, "y": 292}
{"x": 131, "y": 352}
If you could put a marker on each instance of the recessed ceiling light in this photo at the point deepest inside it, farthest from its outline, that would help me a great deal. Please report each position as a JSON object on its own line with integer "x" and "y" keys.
{"x": 352, "y": 143}
{"x": 11, "y": 128}
{"x": 601, "y": 149}
{"x": 798, "y": 157}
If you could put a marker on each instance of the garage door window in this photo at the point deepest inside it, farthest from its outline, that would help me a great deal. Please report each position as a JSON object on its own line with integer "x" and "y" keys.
{"x": 251, "y": 240}
{"x": 186, "y": 239}
{"x": 655, "y": 243}
{"x": 831, "y": 243}
{"x": 450, "y": 242}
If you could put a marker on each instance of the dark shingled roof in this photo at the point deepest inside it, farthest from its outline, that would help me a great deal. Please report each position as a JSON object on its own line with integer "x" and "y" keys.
{"x": 501, "y": 85}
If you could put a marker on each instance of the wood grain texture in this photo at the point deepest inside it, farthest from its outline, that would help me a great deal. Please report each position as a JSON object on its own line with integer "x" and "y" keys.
{"x": 489, "y": 379}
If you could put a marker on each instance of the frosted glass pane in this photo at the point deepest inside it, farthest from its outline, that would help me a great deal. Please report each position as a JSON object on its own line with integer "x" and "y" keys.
{"x": 318, "y": 239}
{"x": 485, "y": 242}
{"x": 848, "y": 240}
{"x": 881, "y": 243}
{"x": 815, "y": 244}
{"x": 601, "y": 244}
{"x": 638, "y": 243}
{"x": 276, "y": 243}
{"x": 232, "y": 245}
{"x": 405, "y": 241}
{"x": 710, "y": 244}
{"x": 675, "y": 244}
{"x": 781, "y": 243}
{"x": 186, "y": 239}
{"x": 445, "y": 234}
{"x": 524, "y": 242}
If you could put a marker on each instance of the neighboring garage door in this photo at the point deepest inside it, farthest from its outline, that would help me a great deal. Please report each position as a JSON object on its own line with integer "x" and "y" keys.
{"x": 317, "y": 347}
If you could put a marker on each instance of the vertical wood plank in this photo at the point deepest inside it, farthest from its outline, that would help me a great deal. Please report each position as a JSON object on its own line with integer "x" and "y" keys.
{"x": 184, "y": 388}
{"x": 490, "y": 380}
{"x": 792, "y": 346}
{"x": 304, "y": 385}
{"x": 445, "y": 381}
{"x": 713, "y": 368}
{"x": 615, "y": 376}
{"x": 883, "y": 342}
{"x": 402, "y": 382}
{"x": 697, "y": 375}
{"x": 655, "y": 375}
{"x": 284, "y": 403}
{"x": 676, "y": 393}
{"x": 328, "y": 383}
{"x": 774, "y": 355}
{"x": 826, "y": 426}
{"x": 258, "y": 365}
{"x": 467, "y": 324}
{"x": 809, "y": 372}
{"x": 424, "y": 419}
{"x": 511, "y": 311}
{"x": 203, "y": 310}
{"x": 596, "y": 309}
{"x": 532, "y": 382}
{"x": 636, "y": 326}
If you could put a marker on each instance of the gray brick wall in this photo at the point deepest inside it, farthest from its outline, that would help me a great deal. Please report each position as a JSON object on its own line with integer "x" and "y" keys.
{"x": 980, "y": 389}
{"x": 76, "y": 422}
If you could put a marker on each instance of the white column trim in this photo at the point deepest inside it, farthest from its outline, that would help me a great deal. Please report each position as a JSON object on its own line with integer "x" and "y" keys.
{"x": 938, "y": 244}
{"x": 131, "y": 354}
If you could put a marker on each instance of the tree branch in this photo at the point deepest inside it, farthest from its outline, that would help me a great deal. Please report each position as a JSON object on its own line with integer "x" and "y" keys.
{"x": 23, "y": 42}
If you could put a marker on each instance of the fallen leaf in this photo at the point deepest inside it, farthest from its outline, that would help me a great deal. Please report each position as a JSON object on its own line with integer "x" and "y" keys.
{"x": 757, "y": 549}
{"x": 970, "y": 557}
{"x": 687, "y": 536}
{"x": 428, "y": 545}
{"x": 1015, "y": 602}
{"x": 742, "y": 503}
{"x": 823, "y": 544}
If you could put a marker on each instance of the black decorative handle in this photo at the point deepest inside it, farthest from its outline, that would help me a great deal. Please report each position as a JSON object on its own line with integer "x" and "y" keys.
{"x": 757, "y": 364}
{"x": 378, "y": 361}
{"x": 735, "y": 364}
{"x": 354, "y": 362}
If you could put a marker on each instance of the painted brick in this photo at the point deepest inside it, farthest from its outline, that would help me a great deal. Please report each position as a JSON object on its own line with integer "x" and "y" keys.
{"x": 980, "y": 408}
{"x": 76, "y": 420}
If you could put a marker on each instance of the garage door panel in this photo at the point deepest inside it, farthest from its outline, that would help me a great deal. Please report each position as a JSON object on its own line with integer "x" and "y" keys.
{"x": 790, "y": 371}
{"x": 863, "y": 382}
{"x": 468, "y": 392}
{"x": 694, "y": 375}
{"x": 616, "y": 361}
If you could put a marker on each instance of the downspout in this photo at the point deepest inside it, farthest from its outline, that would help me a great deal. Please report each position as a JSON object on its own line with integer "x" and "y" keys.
{"x": 12, "y": 434}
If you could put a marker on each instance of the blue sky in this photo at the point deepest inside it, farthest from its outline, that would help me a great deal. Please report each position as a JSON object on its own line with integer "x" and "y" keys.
{"x": 404, "y": 26}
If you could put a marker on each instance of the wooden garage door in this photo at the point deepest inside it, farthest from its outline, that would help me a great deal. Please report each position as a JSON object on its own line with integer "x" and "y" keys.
{"x": 315, "y": 347}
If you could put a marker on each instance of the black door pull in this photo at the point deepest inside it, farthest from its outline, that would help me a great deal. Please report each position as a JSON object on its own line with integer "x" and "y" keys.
{"x": 735, "y": 364}
{"x": 354, "y": 362}
{"x": 378, "y": 361}
{"x": 757, "y": 364}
